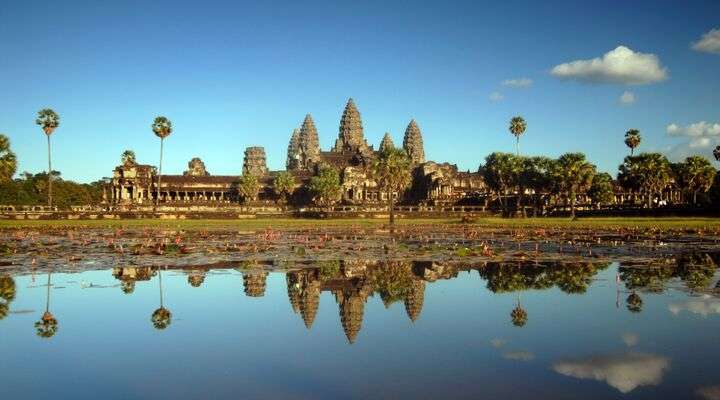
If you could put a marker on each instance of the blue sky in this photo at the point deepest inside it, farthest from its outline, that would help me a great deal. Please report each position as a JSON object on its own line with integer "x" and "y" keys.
{"x": 231, "y": 75}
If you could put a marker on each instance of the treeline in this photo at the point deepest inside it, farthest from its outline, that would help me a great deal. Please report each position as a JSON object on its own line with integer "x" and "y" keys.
{"x": 538, "y": 181}
{"x": 32, "y": 189}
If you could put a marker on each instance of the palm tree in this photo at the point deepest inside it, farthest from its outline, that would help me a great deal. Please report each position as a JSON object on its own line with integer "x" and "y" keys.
{"x": 162, "y": 127}
{"x": 716, "y": 153}
{"x": 391, "y": 171}
{"x": 162, "y": 317}
{"x": 127, "y": 157}
{"x": 48, "y": 120}
{"x": 696, "y": 174}
{"x": 632, "y": 139}
{"x": 8, "y": 161}
{"x": 648, "y": 173}
{"x": 573, "y": 176}
{"x": 517, "y": 128}
{"x": 47, "y": 326}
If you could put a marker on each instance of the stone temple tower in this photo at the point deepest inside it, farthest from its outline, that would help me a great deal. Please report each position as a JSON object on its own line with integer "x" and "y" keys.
{"x": 309, "y": 142}
{"x": 351, "y": 137}
{"x": 413, "y": 143}
{"x": 294, "y": 151}
{"x": 254, "y": 162}
{"x": 387, "y": 143}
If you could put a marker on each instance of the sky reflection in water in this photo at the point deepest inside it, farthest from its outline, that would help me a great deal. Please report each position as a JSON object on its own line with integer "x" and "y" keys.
{"x": 359, "y": 330}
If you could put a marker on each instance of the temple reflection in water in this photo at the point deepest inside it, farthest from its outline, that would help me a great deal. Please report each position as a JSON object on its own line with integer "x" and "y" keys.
{"x": 352, "y": 283}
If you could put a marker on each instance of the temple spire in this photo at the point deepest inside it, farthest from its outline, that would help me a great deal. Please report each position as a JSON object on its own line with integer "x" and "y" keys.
{"x": 309, "y": 141}
{"x": 294, "y": 151}
{"x": 387, "y": 143}
{"x": 413, "y": 143}
{"x": 351, "y": 136}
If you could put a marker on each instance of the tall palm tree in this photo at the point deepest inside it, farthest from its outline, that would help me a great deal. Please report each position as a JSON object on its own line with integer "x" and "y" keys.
{"x": 632, "y": 139}
{"x": 391, "y": 171}
{"x": 517, "y": 128}
{"x": 162, "y": 127}
{"x": 8, "y": 161}
{"x": 48, "y": 120}
{"x": 47, "y": 326}
{"x": 162, "y": 317}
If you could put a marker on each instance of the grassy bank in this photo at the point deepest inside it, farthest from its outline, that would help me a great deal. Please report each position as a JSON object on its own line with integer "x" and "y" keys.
{"x": 248, "y": 224}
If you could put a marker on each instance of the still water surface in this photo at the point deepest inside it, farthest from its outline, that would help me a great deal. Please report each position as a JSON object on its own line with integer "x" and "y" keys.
{"x": 389, "y": 330}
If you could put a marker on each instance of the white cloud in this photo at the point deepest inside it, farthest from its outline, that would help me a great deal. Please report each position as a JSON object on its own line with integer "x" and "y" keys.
{"x": 518, "y": 82}
{"x": 630, "y": 339}
{"x": 497, "y": 342}
{"x": 624, "y": 372}
{"x": 496, "y": 96}
{"x": 621, "y": 65}
{"x": 519, "y": 355}
{"x": 700, "y": 138}
{"x": 697, "y": 129}
{"x": 627, "y": 98}
{"x": 709, "y": 43}
{"x": 705, "y": 306}
{"x": 709, "y": 392}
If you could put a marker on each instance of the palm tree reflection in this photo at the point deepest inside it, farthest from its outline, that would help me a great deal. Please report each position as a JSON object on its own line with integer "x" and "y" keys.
{"x": 518, "y": 315}
{"x": 162, "y": 317}
{"x": 47, "y": 326}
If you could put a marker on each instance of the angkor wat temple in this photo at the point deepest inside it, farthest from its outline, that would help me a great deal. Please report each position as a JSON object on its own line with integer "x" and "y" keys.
{"x": 134, "y": 185}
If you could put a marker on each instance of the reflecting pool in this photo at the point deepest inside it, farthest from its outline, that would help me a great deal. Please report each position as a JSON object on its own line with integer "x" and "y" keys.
{"x": 364, "y": 329}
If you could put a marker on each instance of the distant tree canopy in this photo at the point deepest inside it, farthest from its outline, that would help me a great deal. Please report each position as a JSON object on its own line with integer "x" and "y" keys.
{"x": 32, "y": 190}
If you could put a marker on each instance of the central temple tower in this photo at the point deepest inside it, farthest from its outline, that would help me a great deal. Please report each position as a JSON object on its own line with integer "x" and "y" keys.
{"x": 351, "y": 137}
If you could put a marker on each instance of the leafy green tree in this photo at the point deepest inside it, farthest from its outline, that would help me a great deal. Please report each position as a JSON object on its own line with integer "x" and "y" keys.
{"x": 601, "y": 190}
{"x": 8, "y": 161}
{"x": 573, "y": 176}
{"x": 517, "y": 128}
{"x": 535, "y": 174}
{"x": 248, "y": 187}
{"x": 32, "y": 190}
{"x": 325, "y": 187}
{"x": 501, "y": 172}
{"x": 162, "y": 128}
{"x": 48, "y": 120}
{"x": 391, "y": 171}
{"x": 128, "y": 158}
{"x": 696, "y": 174}
{"x": 632, "y": 139}
{"x": 284, "y": 185}
{"x": 647, "y": 173}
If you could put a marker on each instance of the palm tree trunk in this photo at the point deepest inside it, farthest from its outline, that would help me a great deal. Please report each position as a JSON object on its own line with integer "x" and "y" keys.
{"x": 390, "y": 208}
{"x": 517, "y": 145}
{"x": 47, "y": 301}
{"x": 157, "y": 190}
{"x": 695, "y": 197}
{"x": 49, "y": 173}
{"x": 161, "y": 291}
